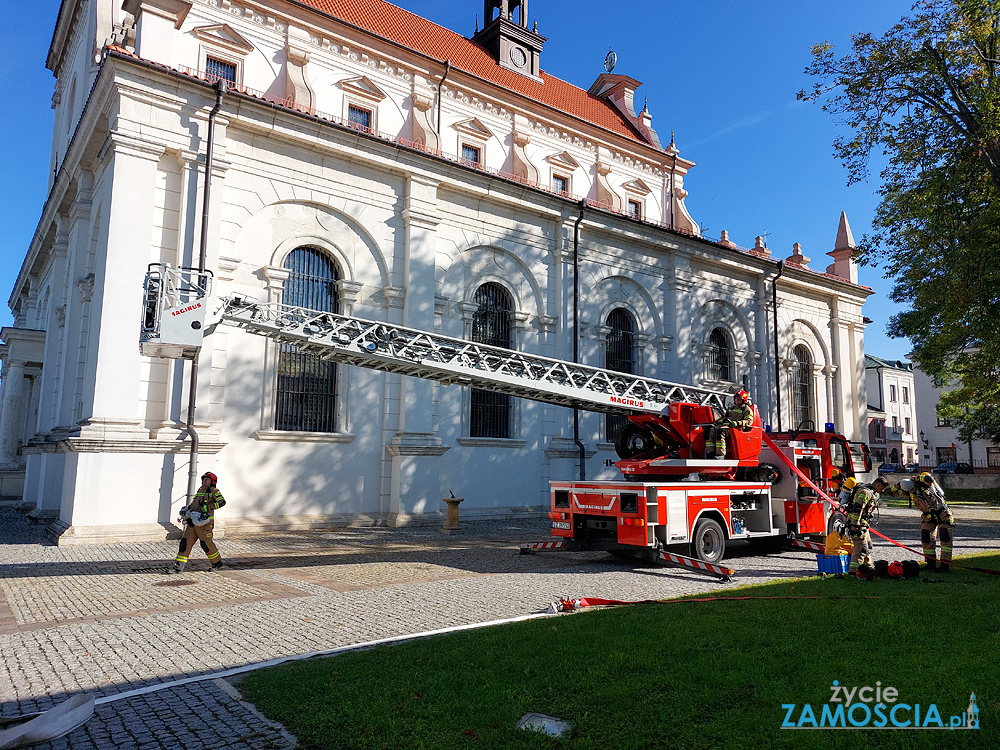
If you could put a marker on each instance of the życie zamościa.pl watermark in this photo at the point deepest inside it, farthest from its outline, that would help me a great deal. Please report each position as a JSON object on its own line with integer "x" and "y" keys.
{"x": 875, "y": 707}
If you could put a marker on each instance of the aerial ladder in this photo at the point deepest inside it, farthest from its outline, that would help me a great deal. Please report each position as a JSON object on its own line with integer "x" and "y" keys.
{"x": 664, "y": 439}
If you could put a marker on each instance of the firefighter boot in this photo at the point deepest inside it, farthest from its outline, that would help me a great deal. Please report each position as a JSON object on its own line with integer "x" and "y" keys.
{"x": 178, "y": 567}
{"x": 944, "y": 567}
{"x": 930, "y": 564}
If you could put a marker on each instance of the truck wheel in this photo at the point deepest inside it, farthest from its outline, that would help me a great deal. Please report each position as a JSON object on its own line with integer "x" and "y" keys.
{"x": 837, "y": 519}
{"x": 709, "y": 541}
{"x": 633, "y": 440}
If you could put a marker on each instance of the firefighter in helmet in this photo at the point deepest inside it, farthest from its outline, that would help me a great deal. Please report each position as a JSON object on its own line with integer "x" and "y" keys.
{"x": 836, "y": 480}
{"x": 739, "y": 415}
{"x": 936, "y": 518}
{"x": 199, "y": 521}
{"x": 860, "y": 507}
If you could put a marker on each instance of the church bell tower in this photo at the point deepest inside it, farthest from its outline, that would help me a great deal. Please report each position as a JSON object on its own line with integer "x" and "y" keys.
{"x": 505, "y": 35}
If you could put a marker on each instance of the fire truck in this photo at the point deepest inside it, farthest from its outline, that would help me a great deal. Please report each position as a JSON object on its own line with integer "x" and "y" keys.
{"x": 673, "y": 505}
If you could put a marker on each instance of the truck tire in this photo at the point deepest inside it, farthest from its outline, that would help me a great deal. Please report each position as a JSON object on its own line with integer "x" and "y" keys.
{"x": 709, "y": 541}
{"x": 837, "y": 518}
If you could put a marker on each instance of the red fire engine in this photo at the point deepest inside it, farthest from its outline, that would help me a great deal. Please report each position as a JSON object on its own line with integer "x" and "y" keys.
{"x": 674, "y": 500}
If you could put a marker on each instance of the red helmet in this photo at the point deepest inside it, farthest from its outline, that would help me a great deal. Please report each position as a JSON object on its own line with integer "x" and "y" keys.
{"x": 896, "y": 569}
{"x": 742, "y": 395}
{"x": 214, "y": 479}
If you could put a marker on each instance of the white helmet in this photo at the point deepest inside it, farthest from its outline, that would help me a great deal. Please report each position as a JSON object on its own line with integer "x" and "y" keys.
{"x": 907, "y": 485}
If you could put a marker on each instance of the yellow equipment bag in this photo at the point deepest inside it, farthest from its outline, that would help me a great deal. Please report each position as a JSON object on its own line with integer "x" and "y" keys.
{"x": 838, "y": 545}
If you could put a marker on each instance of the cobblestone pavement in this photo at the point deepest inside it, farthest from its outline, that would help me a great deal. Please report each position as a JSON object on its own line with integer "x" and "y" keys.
{"x": 108, "y": 619}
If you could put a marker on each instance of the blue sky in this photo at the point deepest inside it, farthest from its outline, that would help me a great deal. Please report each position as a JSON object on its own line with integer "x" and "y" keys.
{"x": 722, "y": 75}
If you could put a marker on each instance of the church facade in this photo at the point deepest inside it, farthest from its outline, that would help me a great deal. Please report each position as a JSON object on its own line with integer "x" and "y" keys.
{"x": 367, "y": 161}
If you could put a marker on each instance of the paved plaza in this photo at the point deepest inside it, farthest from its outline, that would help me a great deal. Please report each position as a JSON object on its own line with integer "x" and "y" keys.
{"x": 108, "y": 619}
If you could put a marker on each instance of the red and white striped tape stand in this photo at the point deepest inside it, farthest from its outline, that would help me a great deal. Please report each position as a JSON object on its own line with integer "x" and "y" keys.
{"x": 662, "y": 558}
{"x": 680, "y": 561}
{"x": 811, "y": 546}
{"x": 527, "y": 547}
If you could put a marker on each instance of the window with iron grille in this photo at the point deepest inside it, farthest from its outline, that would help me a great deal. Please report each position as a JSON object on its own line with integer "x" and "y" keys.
{"x": 306, "y": 394}
{"x": 471, "y": 155}
{"x": 560, "y": 184}
{"x": 720, "y": 366}
{"x": 359, "y": 118}
{"x": 619, "y": 356}
{"x": 216, "y": 69}
{"x": 635, "y": 209}
{"x": 491, "y": 414}
{"x": 802, "y": 386}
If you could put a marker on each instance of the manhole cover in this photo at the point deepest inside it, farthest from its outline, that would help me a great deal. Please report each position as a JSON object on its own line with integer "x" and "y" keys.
{"x": 174, "y": 583}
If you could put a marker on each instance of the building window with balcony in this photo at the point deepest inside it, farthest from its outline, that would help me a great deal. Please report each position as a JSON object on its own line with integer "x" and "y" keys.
{"x": 359, "y": 118}
{"x": 619, "y": 356}
{"x": 306, "y": 392}
{"x": 491, "y": 414}
{"x": 216, "y": 69}
{"x": 472, "y": 155}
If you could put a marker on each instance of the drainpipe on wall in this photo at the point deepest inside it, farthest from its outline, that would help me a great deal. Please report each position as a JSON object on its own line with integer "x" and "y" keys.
{"x": 777, "y": 361}
{"x": 447, "y": 69}
{"x": 576, "y": 334}
{"x": 220, "y": 92}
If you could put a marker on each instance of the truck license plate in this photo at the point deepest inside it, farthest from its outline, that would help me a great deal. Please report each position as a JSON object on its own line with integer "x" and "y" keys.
{"x": 565, "y": 525}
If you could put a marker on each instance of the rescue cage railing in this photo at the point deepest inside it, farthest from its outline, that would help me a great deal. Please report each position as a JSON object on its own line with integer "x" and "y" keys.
{"x": 393, "y": 348}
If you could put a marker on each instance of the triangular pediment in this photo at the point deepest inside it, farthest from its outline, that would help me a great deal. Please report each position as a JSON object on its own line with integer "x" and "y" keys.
{"x": 223, "y": 35}
{"x": 563, "y": 160}
{"x": 638, "y": 187}
{"x": 473, "y": 127}
{"x": 362, "y": 86}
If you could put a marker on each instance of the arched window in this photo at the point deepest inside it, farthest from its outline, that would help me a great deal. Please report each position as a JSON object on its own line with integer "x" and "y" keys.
{"x": 306, "y": 396}
{"x": 720, "y": 363}
{"x": 493, "y": 324}
{"x": 620, "y": 357}
{"x": 802, "y": 387}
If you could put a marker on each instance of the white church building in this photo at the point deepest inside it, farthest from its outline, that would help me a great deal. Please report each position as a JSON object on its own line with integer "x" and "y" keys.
{"x": 370, "y": 162}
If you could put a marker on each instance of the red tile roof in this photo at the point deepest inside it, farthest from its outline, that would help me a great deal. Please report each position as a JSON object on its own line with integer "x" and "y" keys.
{"x": 419, "y": 34}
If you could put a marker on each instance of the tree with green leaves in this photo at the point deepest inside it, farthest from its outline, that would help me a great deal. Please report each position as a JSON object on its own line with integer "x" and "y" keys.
{"x": 926, "y": 96}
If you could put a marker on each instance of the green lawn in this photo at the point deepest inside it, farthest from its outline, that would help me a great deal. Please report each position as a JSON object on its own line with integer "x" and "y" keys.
{"x": 684, "y": 675}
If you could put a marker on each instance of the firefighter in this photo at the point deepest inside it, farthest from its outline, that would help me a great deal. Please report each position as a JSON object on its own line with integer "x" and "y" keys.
{"x": 199, "y": 521}
{"x": 836, "y": 480}
{"x": 936, "y": 518}
{"x": 859, "y": 510}
{"x": 739, "y": 415}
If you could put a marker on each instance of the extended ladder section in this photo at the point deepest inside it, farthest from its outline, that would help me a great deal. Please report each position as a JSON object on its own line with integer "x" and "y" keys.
{"x": 174, "y": 324}
{"x": 392, "y": 348}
